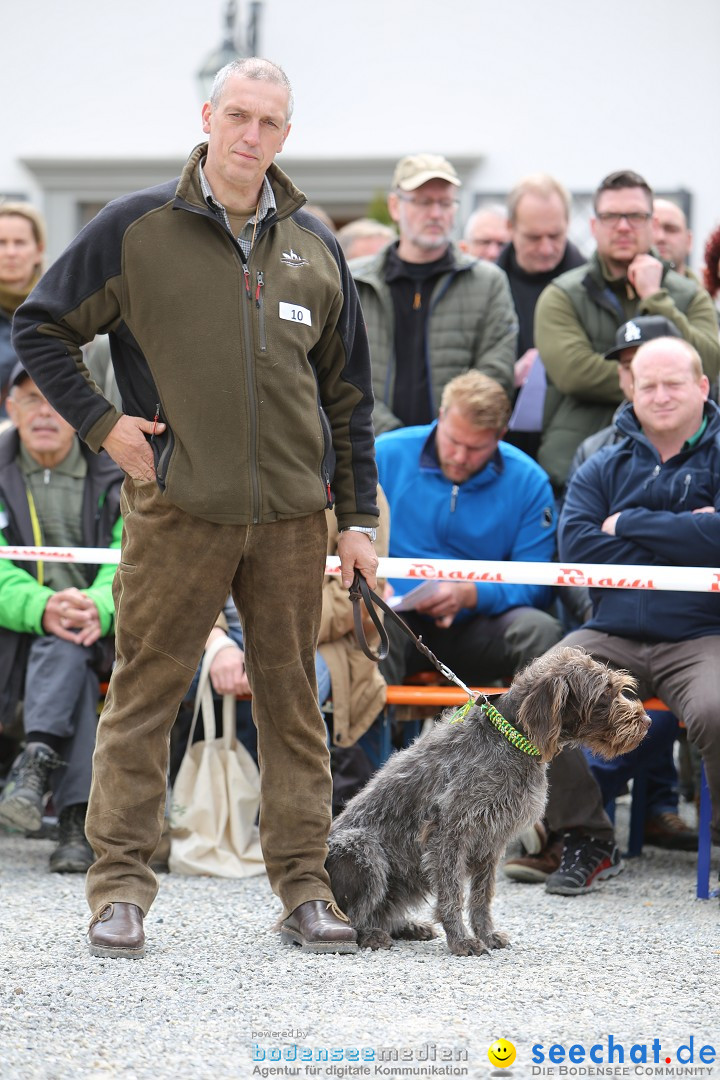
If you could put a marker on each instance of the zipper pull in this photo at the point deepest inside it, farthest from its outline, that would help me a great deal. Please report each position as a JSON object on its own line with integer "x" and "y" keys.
{"x": 260, "y": 283}
{"x": 453, "y": 498}
{"x": 46, "y": 476}
{"x": 246, "y": 275}
{"x": 156, "y": 420}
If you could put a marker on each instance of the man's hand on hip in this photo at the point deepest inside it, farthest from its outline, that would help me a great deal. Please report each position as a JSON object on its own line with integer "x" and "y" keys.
{"x": 127, "y": 446}
{"x": 356, "y": 552}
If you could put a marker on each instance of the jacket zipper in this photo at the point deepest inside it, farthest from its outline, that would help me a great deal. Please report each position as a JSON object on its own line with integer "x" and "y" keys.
{"x": 252, "y": 400}
{"x": 260, "y": 305}
{"x": 453, "y": 498}
{"x": 686, "y": 487}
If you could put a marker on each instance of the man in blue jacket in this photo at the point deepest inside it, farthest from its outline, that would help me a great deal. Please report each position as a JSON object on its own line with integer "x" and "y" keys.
{"x": 651, "y": 499}
{"x": 456, "y": 491}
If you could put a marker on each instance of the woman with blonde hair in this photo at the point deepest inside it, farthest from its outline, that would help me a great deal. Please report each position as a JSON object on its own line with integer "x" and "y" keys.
{"x": 22, "y": 250}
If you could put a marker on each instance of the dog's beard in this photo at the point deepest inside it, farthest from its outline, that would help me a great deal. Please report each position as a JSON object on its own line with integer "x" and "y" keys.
{"x": 618, "y": 731}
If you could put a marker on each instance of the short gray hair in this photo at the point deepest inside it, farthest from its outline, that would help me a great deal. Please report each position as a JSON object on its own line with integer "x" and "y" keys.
{"x": 361, "y": 229}
{"x": 541, "y": 184}
{"x": 252, "y": 67}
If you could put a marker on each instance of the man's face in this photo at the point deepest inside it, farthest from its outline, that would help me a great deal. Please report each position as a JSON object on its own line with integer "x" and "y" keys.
{"x": 671, "y": 235}
{"x": 425, "y": 218}
{"x": 43, "y": 432}
{"x": 668, "y": 396}
{"x": 539, "y": 233}
{"x": 20, "y": 252}
{"x": 246, "y": 129}
{"x": 462, "y": 448}
{"x": 618, "y": 239}
{"x": 489, "y": 233}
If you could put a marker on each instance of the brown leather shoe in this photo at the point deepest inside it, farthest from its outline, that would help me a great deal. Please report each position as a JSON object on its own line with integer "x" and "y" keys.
{"x": 117, "y": 930}
{"x": 320, "y": 927}
{"x": 670, "y": 831}
{"x": 532, "y": 869}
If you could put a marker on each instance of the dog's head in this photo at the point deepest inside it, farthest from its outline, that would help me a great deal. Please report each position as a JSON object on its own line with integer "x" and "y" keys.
{"x": 567, "y": 697}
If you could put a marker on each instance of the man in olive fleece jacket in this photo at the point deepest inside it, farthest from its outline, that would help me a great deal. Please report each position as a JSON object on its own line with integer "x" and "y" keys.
{"x": 577, "y": 317}
{"x": 243, "y": 367}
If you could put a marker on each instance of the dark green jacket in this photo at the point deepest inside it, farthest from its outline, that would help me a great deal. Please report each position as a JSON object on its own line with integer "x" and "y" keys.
{"x": 471, "y": 324}
{"x": 575, "y": 323}
{"x": 263, "y": 378}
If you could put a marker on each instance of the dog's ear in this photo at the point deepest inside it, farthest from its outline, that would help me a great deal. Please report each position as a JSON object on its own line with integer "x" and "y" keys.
{"x": 540, "y": 714}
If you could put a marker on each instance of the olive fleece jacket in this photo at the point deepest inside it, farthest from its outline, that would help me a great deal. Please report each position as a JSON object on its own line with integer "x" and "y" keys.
{"x": 260, "y": 369}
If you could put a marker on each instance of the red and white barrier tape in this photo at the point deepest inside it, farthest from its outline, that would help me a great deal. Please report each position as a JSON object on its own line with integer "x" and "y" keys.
{"x": 597, "y": 575}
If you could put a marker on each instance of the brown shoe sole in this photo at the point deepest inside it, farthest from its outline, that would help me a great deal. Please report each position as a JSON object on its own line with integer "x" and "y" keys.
{"x": 293, "y": 937}
{"x": 116, "y": 951}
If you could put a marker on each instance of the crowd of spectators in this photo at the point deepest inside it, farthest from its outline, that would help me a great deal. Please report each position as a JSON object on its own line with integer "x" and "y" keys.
{"x": 502, "y": 433}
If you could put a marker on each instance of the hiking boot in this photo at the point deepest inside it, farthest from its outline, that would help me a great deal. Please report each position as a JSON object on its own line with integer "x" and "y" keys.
{"x": 533, "y": 869}
{"x": 21, "y": 801}
{"x": 585, "y": 861}
{"x": 670, "y": 831}
{"x": 73, "y": 855}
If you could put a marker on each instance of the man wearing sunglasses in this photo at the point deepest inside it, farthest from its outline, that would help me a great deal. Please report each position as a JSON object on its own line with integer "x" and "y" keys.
{"x": 432, "y": 312}
{"x": 578, "y": 314}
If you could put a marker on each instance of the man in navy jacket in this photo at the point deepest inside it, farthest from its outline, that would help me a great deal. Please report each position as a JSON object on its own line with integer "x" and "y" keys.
{"x": 651, "y": 499}
{"x": 456, "y": 491}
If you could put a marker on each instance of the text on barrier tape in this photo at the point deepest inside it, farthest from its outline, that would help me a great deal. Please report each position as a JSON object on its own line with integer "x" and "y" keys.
{"x": 591, "y": 575}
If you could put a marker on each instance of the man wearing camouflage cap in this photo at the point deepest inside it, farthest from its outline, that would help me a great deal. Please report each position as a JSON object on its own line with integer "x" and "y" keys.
{"x": 431, "y": 311}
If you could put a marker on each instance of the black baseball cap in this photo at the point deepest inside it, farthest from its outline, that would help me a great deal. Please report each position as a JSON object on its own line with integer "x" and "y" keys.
{"x": 637, "y": 331}
{"x": 17, "y": 374}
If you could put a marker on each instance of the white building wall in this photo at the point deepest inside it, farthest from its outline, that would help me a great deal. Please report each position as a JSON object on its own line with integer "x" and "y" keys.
{"x": 517, "y": 85}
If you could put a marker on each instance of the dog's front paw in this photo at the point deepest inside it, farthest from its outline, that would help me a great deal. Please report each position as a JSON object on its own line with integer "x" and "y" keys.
{"x": 415, "y": 931}
{"x": 374, "y": 939}
{"x": 467, "y": 947}
{"x": 496, "y": 940}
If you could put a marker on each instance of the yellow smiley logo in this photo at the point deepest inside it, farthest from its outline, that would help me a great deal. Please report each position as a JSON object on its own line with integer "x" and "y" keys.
{"x": 501, "y": 1053}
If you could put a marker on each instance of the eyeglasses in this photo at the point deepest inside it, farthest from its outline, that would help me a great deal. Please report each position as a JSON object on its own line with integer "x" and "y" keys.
{"x": 426, "y": 204}
{"x": 634, "y": 219}
{"x": 29, "y": 401}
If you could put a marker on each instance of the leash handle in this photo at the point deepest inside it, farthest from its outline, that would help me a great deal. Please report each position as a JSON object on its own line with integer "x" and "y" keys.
{"x": 361, "y": 591}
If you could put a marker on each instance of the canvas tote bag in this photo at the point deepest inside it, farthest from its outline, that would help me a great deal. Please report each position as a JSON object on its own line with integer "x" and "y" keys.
{"x": 215, "y": 796}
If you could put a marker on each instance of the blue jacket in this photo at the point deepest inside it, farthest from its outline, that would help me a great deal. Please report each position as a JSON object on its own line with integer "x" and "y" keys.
{"x": 505, "y": 512}
{"x": 656, "y": 527}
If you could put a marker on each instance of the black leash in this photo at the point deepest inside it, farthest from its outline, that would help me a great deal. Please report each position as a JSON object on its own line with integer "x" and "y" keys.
{"x": 360, "y": 592}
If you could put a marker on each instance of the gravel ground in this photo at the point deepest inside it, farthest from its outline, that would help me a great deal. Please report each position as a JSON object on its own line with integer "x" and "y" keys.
{"x": 636, "y": 960}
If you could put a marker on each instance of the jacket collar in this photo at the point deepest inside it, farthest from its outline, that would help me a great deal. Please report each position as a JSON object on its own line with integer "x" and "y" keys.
{"x": 369, "y": 267}
{"x": 189, "y": 190}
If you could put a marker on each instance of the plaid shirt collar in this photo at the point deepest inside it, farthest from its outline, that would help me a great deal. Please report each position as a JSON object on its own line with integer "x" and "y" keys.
{"x": 266, "y": 205}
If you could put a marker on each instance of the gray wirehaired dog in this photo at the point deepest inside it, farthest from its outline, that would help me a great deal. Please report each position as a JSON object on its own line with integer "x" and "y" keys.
{"x": 440, "y": 813}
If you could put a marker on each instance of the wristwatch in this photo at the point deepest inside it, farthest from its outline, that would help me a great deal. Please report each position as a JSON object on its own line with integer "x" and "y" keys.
{"x": 372, "y": 533}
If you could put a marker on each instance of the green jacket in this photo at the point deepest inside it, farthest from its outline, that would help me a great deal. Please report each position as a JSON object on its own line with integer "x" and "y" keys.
{"x": 471, "y": 324}
{"x": 260, "y": 370}
{"x": 576, "y": 319}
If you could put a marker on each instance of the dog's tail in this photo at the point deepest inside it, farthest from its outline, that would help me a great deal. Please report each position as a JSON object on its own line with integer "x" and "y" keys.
{"x": 358, "y": 873}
